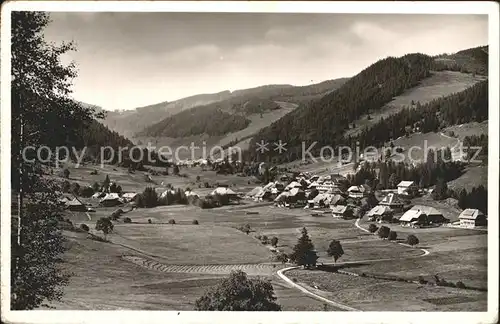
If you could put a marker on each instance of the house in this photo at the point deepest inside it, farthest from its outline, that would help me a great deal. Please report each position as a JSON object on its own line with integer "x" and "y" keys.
{"x": 392, "y": 201}
{"x": 263, "y": 194}
{"x": 471, "y": 218}
{"x": 223, "y": 191}
{"x": 338, "y": 179}
{"x": 358, "y": 191}
{"x": 407, "y": 188}
{"x": 281, "y": 199}
{"x": 296, "y": 195}
{"x": 253, "y": 192}
{"x": 322, "y": 200}
{"x": 336, "y": 200}
{"x": 98, "y": 195}
{"x": 129, "y": 196}
{"x": 341, "y": 211}
{"x": 380, "y": 213}
{"x": 190, "y": 193}
{"x": 110, "y": 200}
{"x": 327, "y": 186}
{"x": 76, "y": 205}
{"x": 293, "y": 184}
{"x": 423, "y": 215}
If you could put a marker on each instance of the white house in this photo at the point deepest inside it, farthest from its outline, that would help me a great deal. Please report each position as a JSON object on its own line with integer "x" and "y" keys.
{"x": 129, "y": 196}
{"x": 422, "y": 215}
{"x": 111, "y": 199}
{"x": 357, "y": 191}
{"x": 379, "y": 212}
{"x": 408, "y": 188}
{"x": 471, "y": 218}
{"x": 392, "y": 201}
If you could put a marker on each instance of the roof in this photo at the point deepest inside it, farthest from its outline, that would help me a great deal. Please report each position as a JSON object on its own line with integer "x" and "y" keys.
{"x": 322, "y": 196}
{"x": 410, "y": 215}
{"x": 129, "y": 194}
{"x": 335, "y": 199}
{"x": 339, "y": 209}
{"x": 293, "y": 184}
{"x": 254, "y": 191}
{"x": 313, "y": 184}
{"x": 74, "y": 202}
{"x": 295, "y": 191}
{"x": 283, "y": 194}
{"x": 223, "y": 191}
{"x": 391, "y": 199}
{"x": 406, "y": 183}
{"x": 111, "y": 196}
{"x": 357, "y": 189}
{"x": 427, "y": 210}
{"x": 470, "y": 213}
{"x": 378, "y": 211}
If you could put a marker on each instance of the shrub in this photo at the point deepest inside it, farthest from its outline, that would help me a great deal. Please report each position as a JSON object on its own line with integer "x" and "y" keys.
{"x": 265, "y": 239}
{"x": 274, "y": 241}
{"x": 171, "y": 221}
{"x": 392, "y": 236}
{"x": 84, "y": 227}
{"x": 294, "y": 279}
{"x": 372, "y": 228}
{"x": 150, "y": 221}
{"x": 363, "y": 274}
{"x": 66, "y": 173}
{"x": 460, "y": 284}
{"x": 65, "y": 187}
{"x": 86, "y": 192}
{"x": 383, "y": 232}
{"x": 198, "y": 178}
{"x": 421, "y": 280}
{"x": 412, "y": 240}
{"x": 127, "y": 220}
{"x": 195, "y": 222}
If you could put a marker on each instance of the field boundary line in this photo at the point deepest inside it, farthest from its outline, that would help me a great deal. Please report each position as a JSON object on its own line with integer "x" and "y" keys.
{"x": 280, "y": 273}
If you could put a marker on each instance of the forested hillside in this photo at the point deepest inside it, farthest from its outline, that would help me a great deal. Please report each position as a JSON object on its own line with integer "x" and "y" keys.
{"x": 326, "y": 119}
{"x": 230, "y": 115}
{"x": 472, "y": 60}
{"x": 467, "y": 106}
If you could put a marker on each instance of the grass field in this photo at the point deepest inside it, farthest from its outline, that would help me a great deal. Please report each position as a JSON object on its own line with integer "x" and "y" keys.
{"x": 382, "y": 295}
{"x": 474, "y": 176}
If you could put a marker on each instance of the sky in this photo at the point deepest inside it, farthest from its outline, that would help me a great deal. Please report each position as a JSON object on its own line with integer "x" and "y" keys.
{"x": 127, "y": 60}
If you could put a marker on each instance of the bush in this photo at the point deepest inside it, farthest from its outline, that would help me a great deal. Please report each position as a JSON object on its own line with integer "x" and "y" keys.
{"x": 372, "y": 228}
{"x": 66, "y": 173}
{"x": 294, "y": 279}
{"x": 274, "y": 241}
{"x": 363, "y": 274}
{"x": 127, "y": 220}
{"x": 195, "y": 222}
{"x": 383, "y": 232}
{"x": 265, "y": 239}
{"x": 86, "y": 192}
{"x": 171, "y": 221}
{"x": 198, "y": 178}
{"x": 460, "y": 284}
{"x": 84, "y": 227}
{"x": 150, "y": 221}
{"x": 392, "y": 236}
{"x": 412, "y": 240}
{"x": 421, "y": 280}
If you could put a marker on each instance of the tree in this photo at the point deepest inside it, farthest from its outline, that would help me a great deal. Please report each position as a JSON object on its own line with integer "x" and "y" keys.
{"x": 66, "y": 173}
{"x": 274, "y": 241}
{"x": 106, "y": 183}
{"x": 335, "y": 250}
{"x": 176, "y": 169}
{"x": 239, "y": 293}
{"x": 462, "y": 199}
{"x": 43, "y": 114}
{"x": 303, "y": 252}
{"x": 440, "y": 192}
{"x": 392, "y": 236}
{"x": 96, "y": 187}
{"x": 105, "y": 225}
{"x": 383, "y": 232}
{"x": 412, "y": 240}
{"x": 372, "y": 228}
{"x": 148, "y": 198}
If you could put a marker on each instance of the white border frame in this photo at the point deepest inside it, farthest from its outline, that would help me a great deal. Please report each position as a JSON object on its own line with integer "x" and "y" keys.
{"x": 43, "y": 316}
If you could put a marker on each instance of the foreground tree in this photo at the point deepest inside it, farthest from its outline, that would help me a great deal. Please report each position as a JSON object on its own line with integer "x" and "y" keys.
{"x": 303, "y": 252}
{"x": 335, "y": 250}
{"x": 43, "y": 114}
{"x": 239, "y": 293}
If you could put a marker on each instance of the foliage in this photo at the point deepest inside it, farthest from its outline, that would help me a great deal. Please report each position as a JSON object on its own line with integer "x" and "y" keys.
{"x": 372, "y": 228}
{"x": 44, "y": 113}
{"x": 392, "y": 236}
{"x": 335, "y": 250}
{"x": 127, "y": 220}
{"x": 412, "y": 240}
{"x": 282, "y": 257}
{"x": 440, "y": 192}
{"x": 239, "y": 293}
{"x": 66, "y": 173}
{"x": 383, "y": 231}
{"x": 171, "y": 221}
{"x": 84, "y": 227}
{"x": 195, "y": 222}
{"x": 303, "y": 252}
{"x": 86, "y": 192}
{"x": 274, "y": 241}
{"x": 148, "y": 198}
{"x": 477, "y": 198}
{"x": 105, "y": 225}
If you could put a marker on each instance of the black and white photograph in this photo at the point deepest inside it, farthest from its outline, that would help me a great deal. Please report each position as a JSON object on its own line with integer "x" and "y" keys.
{"x": 270, "y": 158}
